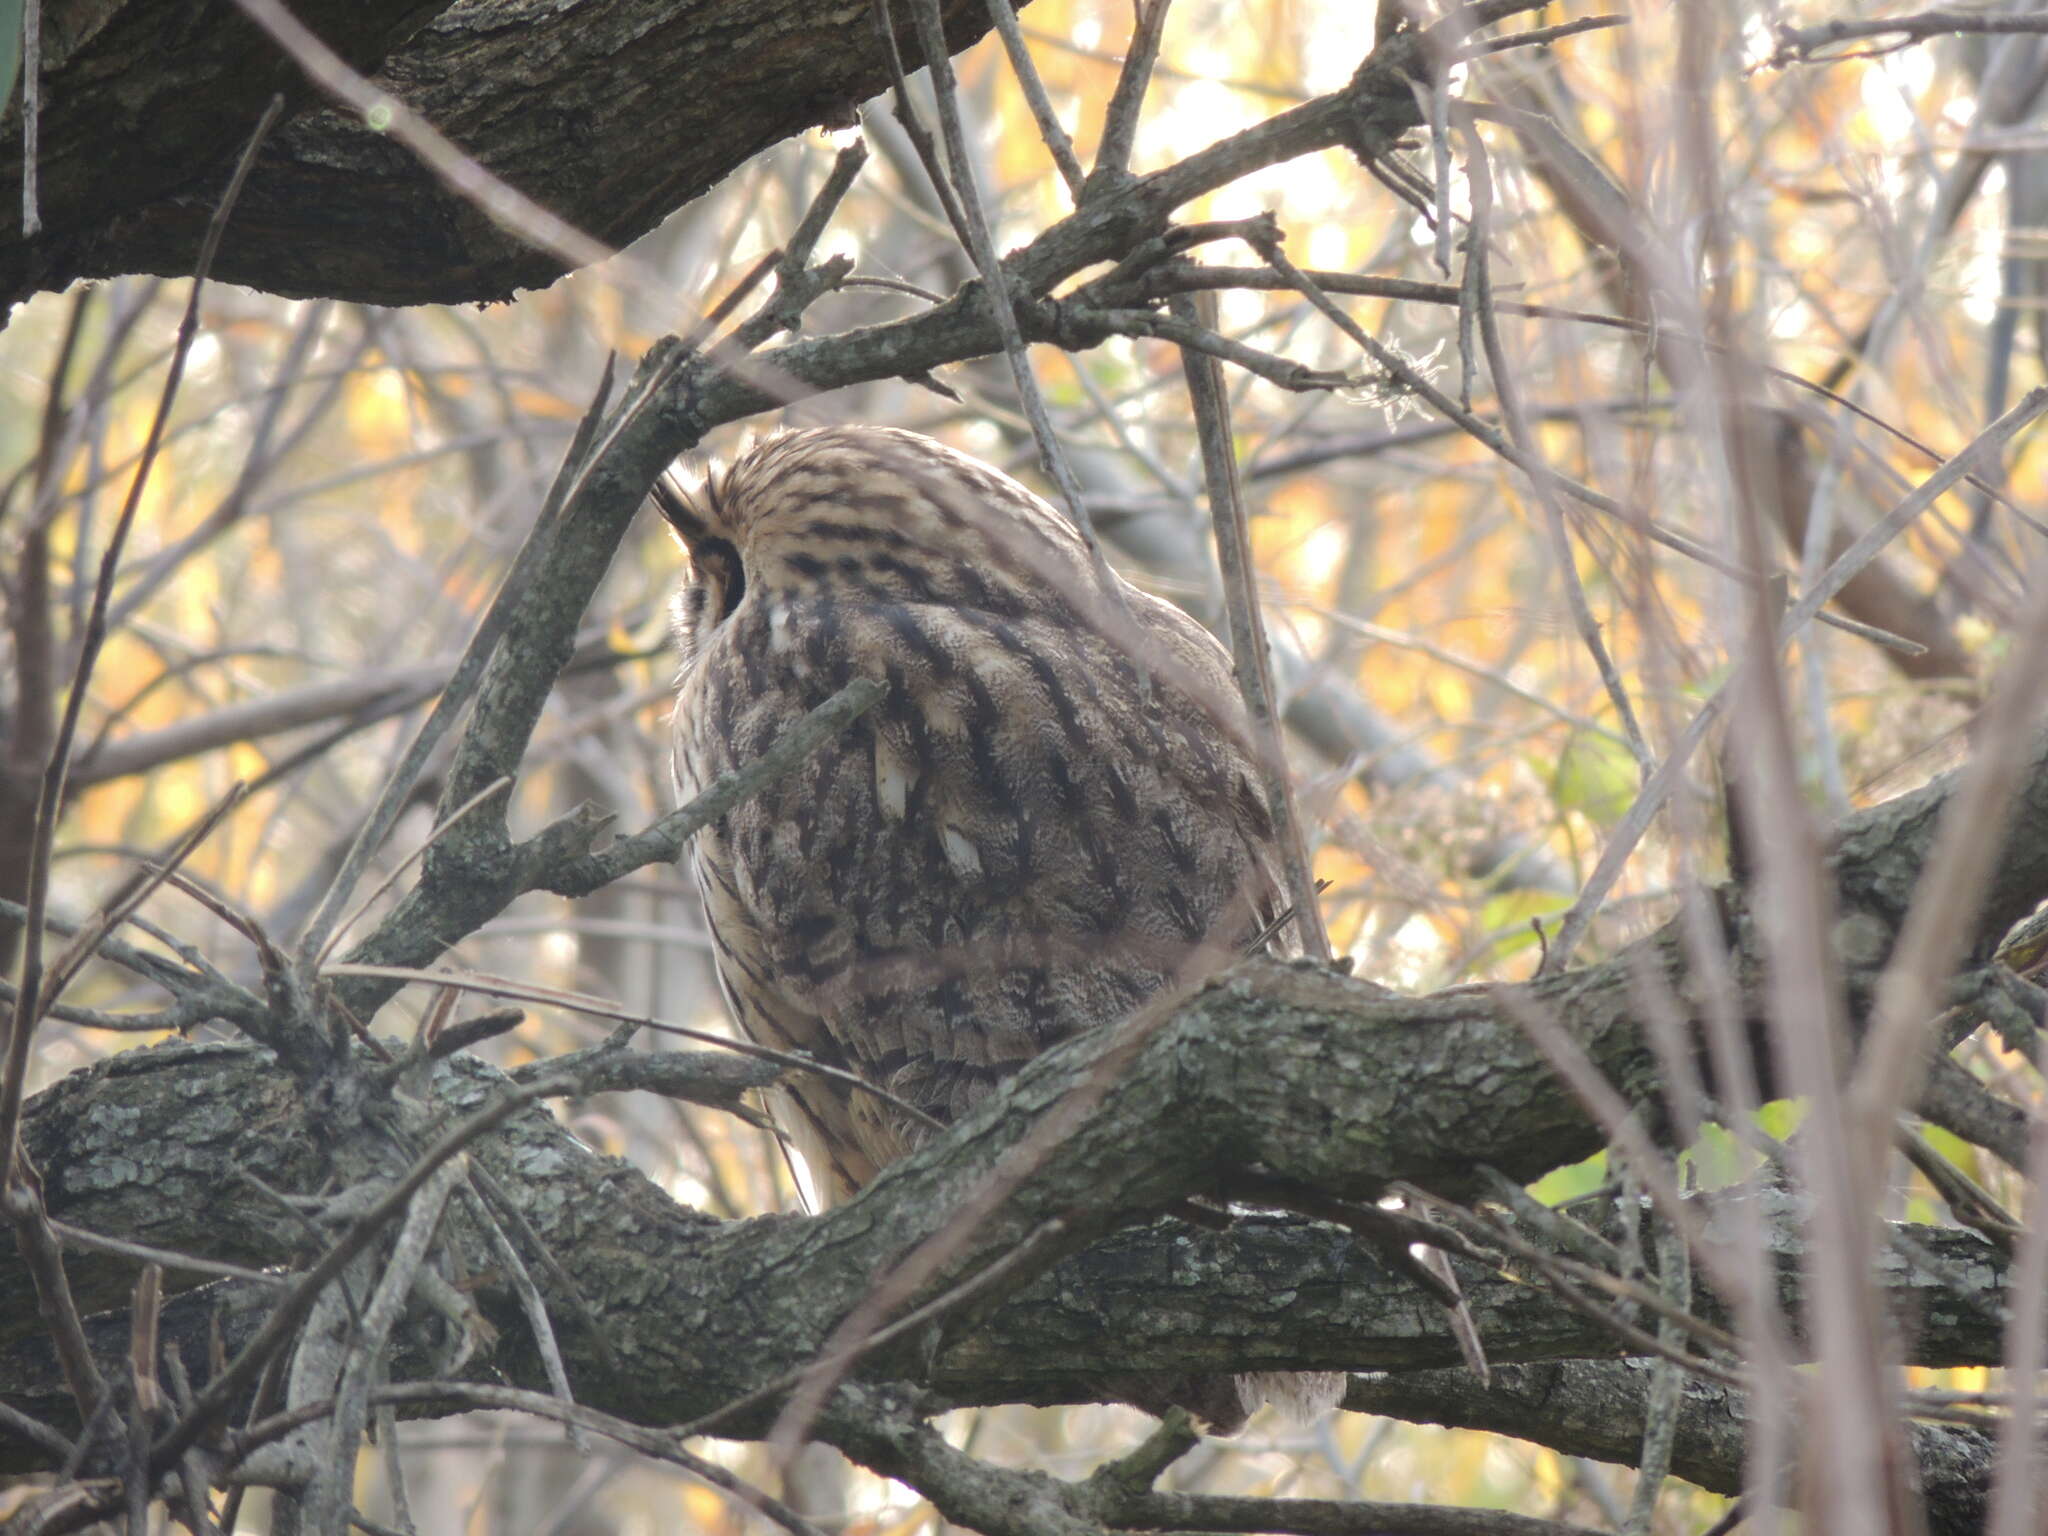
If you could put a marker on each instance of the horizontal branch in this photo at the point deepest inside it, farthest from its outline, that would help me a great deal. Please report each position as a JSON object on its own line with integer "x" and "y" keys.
{"x": 1301, "y": 1072}
{"x": 611, "y": 114}
{"x": 1595, "y": 1408}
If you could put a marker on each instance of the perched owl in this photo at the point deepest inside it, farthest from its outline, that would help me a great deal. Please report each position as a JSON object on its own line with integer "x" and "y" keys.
{"x": 1052, "y": 814}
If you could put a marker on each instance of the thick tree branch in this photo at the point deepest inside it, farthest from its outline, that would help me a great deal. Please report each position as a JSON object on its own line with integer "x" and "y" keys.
{"x": 1297, "y": 1071}
{"x": 610, "y": 113}
{"x": 1595, "y": 1408}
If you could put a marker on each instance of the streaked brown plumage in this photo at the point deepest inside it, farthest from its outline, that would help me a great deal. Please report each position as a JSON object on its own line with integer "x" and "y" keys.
{"x": 1050, "y": 816}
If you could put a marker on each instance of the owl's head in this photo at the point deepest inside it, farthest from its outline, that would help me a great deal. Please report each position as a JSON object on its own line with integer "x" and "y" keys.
{"x": 867, "y": 513}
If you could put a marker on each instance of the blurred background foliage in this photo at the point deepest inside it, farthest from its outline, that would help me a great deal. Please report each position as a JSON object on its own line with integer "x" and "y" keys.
{"x": 342, "y": 486}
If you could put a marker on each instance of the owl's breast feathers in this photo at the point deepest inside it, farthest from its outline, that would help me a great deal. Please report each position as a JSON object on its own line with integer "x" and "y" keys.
{"x": 1050, "y": 816}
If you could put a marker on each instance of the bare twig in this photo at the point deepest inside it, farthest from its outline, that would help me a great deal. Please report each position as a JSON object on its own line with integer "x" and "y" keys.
{"x": 440, "y": 830}
{"x": 860, "y": 1334}
{"x": 1571, "y": 1063}
{"x": 1120, "y": 117}
{"x": 37, "y": 1433}
{"x": 1254, "y": 663}
{"x": 1505, "y": 386}
{"x": 20, "y": 1193}
{"x": 1799, "y": 45}
{"x": 51, "y": 800}
{"x": 915, "y": 130}
{"x": 21, "y": 1202}
{"x": 1057, "y": 143}
{"x": 924, "y": 1262}
{"x": 1667, "y": 1383}
{"x": 455, "y": 693}
{"x": 2015, "y": 1499}
{"x": 663, "y": 842}
{"x": 327, "y": 1501}
{"x": 1871, "y": 542}
{"x": 121, "y": 905}
{"x": 499, "y": 201}
{"x": 656, "y": 1444}
{"x": 226, "y": 1388}
{"x": 603, "y": 1008}
{"x": 165, "y": 1258}
{"x": 981, "y": 248}
{"x": 1946, "y": 901}
{"x": 1540, "y": 36}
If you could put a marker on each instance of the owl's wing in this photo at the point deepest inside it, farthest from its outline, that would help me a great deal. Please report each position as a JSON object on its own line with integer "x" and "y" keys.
{"x": 763, "y": 988}
{"x": 814, "y": 1111}
{"x": 1021, "y": 841}
{"x": 1212, "y": 695}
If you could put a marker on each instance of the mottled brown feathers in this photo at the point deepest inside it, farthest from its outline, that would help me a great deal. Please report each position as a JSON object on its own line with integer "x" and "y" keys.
{"x": 1051, "y": 816}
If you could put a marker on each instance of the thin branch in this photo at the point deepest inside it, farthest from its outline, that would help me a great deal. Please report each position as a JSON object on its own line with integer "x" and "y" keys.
{"x": 603, "y": 1008}
{"x": 1940, "y": 926}
{"x": 50, "y": 803}
{"x": 1540, "y": 36}
{"x": 120, "y": 906}
{"x": 1869, "y": 544}
{"x": 21, "y": 1202}
{"x": 1667, "y": 1383}
{"x": 663, "y": 843}
{"x": 1057, "y": 143}
{"x": 499, "y": 201}
{"x": 1508, "y": 391}
{"x": 810, "y": 1385}
{"x": 1799, "y": 45}
{"x": 1248, "y": 647}
{"x": 1174, "y": 1511}
{"x": 20, "y": 1192}
{"x": 1127, "y": 101}
{"x": 36, "y": 1432}
{"x": 995, "y": 279}
{"x": 656, "y": 1444}
{"x": 31, "y": 116}
{"x": 907, "y": 1276}
{"x": 1163, "y": 281}
{"x": 439, "y": 831}
{"x": 146, "y": 1253}
{"x": 280, "y": 1327}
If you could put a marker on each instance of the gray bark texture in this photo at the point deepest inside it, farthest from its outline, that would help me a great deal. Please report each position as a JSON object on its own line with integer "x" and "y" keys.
{"x": 1302, "y": 1073}
{"x": 610, "y": 113}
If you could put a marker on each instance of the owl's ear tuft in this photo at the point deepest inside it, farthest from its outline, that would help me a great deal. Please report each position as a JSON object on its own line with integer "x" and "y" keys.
{"x": 685, "y": 519}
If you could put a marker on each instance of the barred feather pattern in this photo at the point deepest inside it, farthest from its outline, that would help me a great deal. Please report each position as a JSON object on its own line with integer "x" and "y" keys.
{"x": 1052, "y": 815}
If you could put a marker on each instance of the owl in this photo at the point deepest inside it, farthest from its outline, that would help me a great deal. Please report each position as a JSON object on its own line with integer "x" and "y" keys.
{"x": 1052, "y": 815}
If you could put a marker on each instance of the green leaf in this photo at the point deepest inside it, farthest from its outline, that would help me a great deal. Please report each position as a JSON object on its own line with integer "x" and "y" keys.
{"x": 1574, "y": 1182}
{"x": 1780, "y": 1118}
{"x": 1597, "y": 777}
{"x": 1955, "y": 1149}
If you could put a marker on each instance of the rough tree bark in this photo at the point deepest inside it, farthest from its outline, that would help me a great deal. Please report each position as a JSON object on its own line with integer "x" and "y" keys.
{"x": 610, "y": 113}
{"x": 1303, "y": 1073}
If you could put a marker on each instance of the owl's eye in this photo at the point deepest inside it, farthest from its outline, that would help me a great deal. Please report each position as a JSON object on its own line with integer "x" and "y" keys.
{"x": 719, "y": 563}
